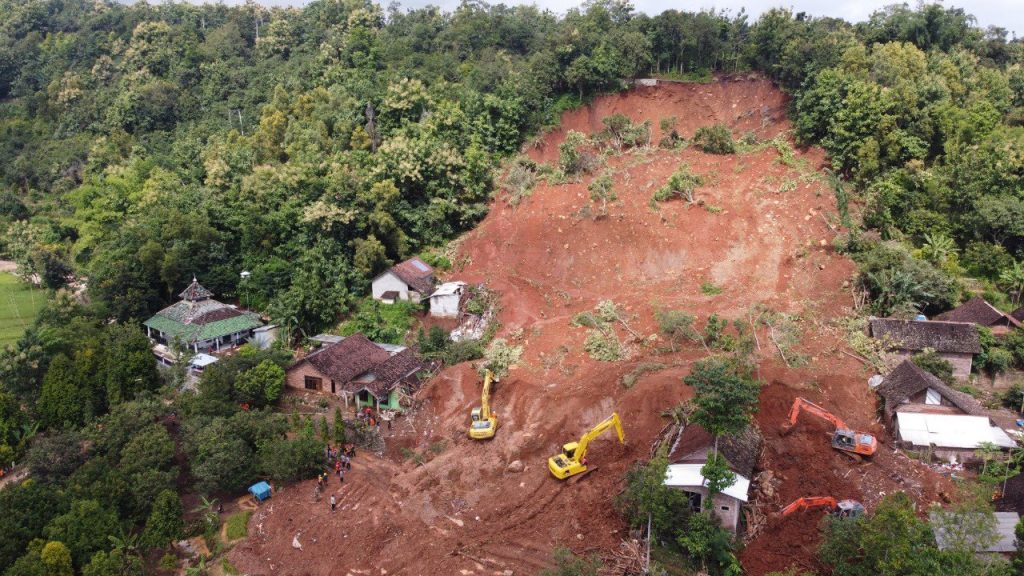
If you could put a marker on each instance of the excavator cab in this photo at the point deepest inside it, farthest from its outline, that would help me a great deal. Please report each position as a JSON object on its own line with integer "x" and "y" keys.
{"x": 848, "y": 509}
{"x": 564, "y": 465}
{"x": 483, "y": 420}
{"x": 854, "y": 442}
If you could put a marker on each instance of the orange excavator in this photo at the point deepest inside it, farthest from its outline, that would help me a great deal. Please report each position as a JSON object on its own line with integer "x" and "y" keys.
{"x": 840, "y": 509}
{"x": 849, "y": 442}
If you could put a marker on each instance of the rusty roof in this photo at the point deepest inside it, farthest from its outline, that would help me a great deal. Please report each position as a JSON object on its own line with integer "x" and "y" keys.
{"x": 741, "y": 450}
{"x": 909, "y": 379}
{"x": 384, "y": 377}
{"x": 416, "y": 273}
{"x": 916, "y": 335}
{"x": 347, "y": 359}
{"x": 978, "y": 311}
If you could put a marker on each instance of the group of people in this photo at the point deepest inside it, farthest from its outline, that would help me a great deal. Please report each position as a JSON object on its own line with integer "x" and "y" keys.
{"x": 342, "y": 461}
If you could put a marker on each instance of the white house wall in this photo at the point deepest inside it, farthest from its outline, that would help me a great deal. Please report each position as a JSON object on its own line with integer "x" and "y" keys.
{"x": 389, "y": 282}
{"x": 446, "y": 306}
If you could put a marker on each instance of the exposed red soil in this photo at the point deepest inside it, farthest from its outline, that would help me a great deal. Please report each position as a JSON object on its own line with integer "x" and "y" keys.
{"x": 461, "y": 511}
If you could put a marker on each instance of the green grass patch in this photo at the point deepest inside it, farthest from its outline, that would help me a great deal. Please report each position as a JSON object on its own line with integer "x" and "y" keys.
{"x": 380, "y": 322}
{"x": 19, "y": 304}
{"x": 238, "y": 525}
{"x": 709, "y": 289}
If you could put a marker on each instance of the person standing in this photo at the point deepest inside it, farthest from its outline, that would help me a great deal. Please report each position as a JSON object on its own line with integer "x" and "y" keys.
{"x": 334, "y": 502}
{"x": 341, "y": 475}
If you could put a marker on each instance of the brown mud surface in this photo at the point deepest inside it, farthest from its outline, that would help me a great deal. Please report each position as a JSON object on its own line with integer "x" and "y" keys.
{"x": 438, "y": 503}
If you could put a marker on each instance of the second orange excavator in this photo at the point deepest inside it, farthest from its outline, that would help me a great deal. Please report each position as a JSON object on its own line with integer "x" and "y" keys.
{"x": 850, "y": 442}
{"x": 840, "y": 509}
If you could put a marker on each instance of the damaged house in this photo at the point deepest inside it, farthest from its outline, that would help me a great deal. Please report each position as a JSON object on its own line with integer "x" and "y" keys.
{"x": 740, "y": 451}
{"x": 925, "y": 413}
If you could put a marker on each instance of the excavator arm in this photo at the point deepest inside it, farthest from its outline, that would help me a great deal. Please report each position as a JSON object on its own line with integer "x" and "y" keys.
{"x": 570, "y": 461}
{"x": 485, "y": 396}
{"x": 812, "y": 408}
{"x": 808, "y": 502}
{"x": 840, "y": 509}
{"x": 613, "y": 420}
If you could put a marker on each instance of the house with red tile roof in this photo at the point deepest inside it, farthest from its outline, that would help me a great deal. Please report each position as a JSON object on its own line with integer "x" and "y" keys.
{"x": 372, "y": 374}
{"x": 410, "y": 280}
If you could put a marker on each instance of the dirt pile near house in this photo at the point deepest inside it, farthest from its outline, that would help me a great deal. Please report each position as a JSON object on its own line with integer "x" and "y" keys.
{"x": 439, "y": 503}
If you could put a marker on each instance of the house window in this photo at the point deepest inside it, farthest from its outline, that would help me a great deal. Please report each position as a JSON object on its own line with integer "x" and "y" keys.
{"x": 725, "y": 508}
{"x": 312, "y": 383}
{"x": 932, "y": 397}
{"x": 364, "y": 396}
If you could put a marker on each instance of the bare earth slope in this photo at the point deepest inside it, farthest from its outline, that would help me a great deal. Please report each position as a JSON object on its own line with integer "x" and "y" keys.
{"x": 762, "y": 237}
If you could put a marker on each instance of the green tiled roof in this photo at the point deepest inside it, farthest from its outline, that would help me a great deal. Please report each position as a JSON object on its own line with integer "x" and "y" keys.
{"x": 194, "y": 332}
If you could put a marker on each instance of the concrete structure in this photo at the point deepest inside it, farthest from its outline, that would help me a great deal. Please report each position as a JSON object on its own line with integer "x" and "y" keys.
{"x": 956, "y": 342}
{"x": 410, "y": 280}
{"x": 265, "y": 336}
{"x": 356, "y": 369}
{"x": 445, "y": 301}
{"x": 740, "y": 451}
{"x": 201, "y": 323}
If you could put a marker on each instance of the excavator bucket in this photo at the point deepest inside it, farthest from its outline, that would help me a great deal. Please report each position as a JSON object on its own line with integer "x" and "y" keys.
{"x": 785, "y": 429}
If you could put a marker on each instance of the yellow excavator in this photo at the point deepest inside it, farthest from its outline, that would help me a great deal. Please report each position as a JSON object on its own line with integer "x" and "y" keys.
{"x": 573, "y": 459}
{"x": 485, "y": 422}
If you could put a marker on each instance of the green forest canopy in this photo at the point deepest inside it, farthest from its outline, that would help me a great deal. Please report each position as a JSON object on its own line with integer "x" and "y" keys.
{"x": 143, "y": 144}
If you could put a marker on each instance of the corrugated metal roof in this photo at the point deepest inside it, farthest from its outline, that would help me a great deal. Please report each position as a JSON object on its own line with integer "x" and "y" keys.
{"x": 950, "y": 531}
{"x": 202, "y": 360}
{"x": 327, "y": 338}
{"x": 448, "y": 289}
{"x": 689, "y": 476}
{"x": 950, "y": 430}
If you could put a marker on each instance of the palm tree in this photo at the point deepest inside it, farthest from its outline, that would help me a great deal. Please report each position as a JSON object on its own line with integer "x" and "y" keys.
{"x": 938, "y": 248}
{"x": 126, "y": 542}
{"x": 1013, "y": 280}
{"x": 206, "y": 507}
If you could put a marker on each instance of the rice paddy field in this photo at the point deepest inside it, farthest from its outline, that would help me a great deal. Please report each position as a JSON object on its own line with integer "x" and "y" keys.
{"x": 19, "y": 304}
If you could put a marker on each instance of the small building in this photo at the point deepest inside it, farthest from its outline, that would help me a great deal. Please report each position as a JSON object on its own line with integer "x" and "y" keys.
{"x": 445, "y": 301}
{"x": 956, "y": 342}
{"x": 265, "y": 336}
{"x": 979, "y": 312}
{"x": 201, "y": 323}
{"x": 952, "y": 437}
{"x": 200, "y": 362}
{"x": 740, "y": 451}
{"x": 953, "y": 532}
{"x": 409, "y": 280}
{"x": 925, "y": 413}
{"x": 373, "y": 374}
{"x": 910, "y": 388}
